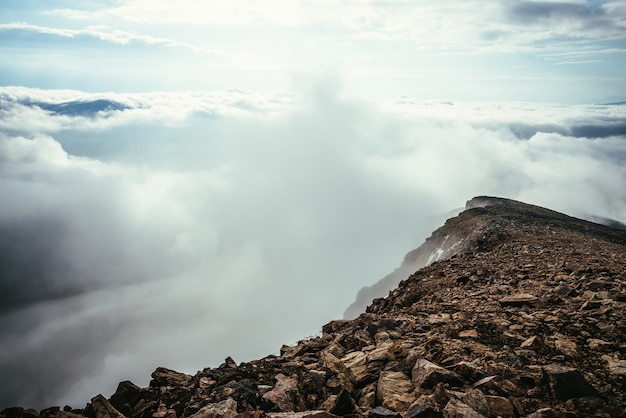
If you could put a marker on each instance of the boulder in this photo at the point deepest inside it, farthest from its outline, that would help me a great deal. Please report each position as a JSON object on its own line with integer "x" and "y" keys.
{"x": 567, "y": 383}
{"x": 424, "y": 407}
{"x": 166, "y": 377}
{"x": 285, "y": 395}
{"x": 356, "y": 362}
{"x": 380, "y": 412}
{"x": 457, "y": 409}
{"x": 224, "y": 409}
{"x": 103, "y": 409}
{"x": 426, "y": 375}
{"x": 500, "y": 407}
{"x": 476, "y": 400}
{"x": 341, "y": 404}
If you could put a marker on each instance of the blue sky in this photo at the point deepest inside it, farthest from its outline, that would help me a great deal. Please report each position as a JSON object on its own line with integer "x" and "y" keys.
{"x": 558, "y": 51}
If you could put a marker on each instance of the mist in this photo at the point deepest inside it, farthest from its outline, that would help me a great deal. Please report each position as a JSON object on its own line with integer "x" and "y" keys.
{"x": 176, "y": 229}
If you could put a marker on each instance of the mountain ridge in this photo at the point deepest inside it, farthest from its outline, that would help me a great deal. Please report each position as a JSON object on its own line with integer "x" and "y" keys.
{"x": 454, "y": 237}
{"x": 523, "y": 318}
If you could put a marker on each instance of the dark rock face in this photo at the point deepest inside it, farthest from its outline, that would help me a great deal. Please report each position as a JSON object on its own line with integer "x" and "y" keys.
{"x": 526, "y": 321}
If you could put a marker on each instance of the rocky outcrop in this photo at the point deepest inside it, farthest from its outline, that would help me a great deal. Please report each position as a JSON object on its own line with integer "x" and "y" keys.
{"x": 527, "y": 321}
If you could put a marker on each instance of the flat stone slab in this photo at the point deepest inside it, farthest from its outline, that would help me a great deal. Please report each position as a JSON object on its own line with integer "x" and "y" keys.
{"x": 519, "y": 300}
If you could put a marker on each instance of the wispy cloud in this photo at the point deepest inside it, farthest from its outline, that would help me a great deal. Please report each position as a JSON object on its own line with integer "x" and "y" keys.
{"x": 14, "y": 31}
{"x": 577, "y": 62}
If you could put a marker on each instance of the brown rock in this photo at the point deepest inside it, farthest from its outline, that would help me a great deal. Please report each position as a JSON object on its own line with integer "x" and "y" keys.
{"x": 334, "y": 326}
{"x": 470, "y": 333}
{"x": 469, "y": 371}
{"x": 500, "y": 407}
{"x": 476, "y": 400}
{"x": 457, "y": 409}
{"x": 484, "y": 381}
{"x": 380, "y": 412}
{"x": 530, "y": 342}
{"x": 368, "y": 396}
{"x": 392, "y": 383}
{"x": 616, "y": 366}
{"x": 520, "y": 299}
{"x": 164, "y": 412}
{"x": 166, "y": 377}
{"x": 285, "y": 396}
{"x": 587, "y": 405}
{"x": 252, "y": 414}
{"x": 546, "y": 413}
{"x": 356, "y": 362}
{"x": 103, "y": 409}
{"x": 426, "y": 375}
{"x": 19, "y": 412}
{"x": 304, "y": 414}
{"x": 567, "y": 383}
{"x": 424, "y": 407}
{"x": 440, "y": 395}
{"x": 383, "y": 352}
{"x": 439, "y": 318}
{"x": 341, "y": 404}
{"x": 225, "y": 409}
{"x": 599, "y": 345}
{"x": 126, "y": 397}
{"x": 399, "y": 402}
{"x": 566, "y": 346}
{"x": 54, "y": 412}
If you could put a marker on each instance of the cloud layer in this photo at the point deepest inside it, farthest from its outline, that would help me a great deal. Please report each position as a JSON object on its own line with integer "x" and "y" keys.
{"x": 179, "y": 228}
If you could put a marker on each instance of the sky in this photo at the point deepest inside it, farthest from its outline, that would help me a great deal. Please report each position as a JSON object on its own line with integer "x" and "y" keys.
{"x": 565, "y": 51}
{"x": 186, "y": 181}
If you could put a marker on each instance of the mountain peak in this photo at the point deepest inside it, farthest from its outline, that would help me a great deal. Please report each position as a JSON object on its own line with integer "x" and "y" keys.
{"x": 484, "y": 222}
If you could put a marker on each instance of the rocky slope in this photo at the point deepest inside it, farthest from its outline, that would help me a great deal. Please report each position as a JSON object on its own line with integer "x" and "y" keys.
{"x": 525, "y": 319}
{"x": 456, "y": 236}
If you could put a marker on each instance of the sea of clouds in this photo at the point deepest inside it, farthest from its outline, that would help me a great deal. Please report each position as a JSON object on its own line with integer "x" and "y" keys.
{"x": 178, "y": 228}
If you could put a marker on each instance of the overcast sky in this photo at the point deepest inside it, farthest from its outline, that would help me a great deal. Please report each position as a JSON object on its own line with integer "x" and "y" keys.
{"x": 186, "y": 181}
{"x": 555, "y": 51}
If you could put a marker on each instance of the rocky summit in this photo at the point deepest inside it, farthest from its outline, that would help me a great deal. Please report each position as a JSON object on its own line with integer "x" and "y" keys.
{"x": 519, "y": 314}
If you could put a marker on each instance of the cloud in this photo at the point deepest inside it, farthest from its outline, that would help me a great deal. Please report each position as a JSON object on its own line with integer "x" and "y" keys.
{"x": 404, "y": 47}
{"x": 190, "y": 226}
{"x": 445, "y": 24}
{"x": 570, "y": 19}
{"x": 100, "y": 37}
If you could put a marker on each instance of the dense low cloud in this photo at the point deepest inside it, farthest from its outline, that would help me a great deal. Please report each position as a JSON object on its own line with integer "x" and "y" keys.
{"x": 175, "y": 229}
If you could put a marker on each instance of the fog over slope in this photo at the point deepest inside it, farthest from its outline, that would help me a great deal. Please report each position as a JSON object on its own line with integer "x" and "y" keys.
{"x": 175, "y": 229}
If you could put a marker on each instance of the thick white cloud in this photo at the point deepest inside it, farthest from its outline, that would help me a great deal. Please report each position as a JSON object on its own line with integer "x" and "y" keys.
{"x": 192, "y": 226}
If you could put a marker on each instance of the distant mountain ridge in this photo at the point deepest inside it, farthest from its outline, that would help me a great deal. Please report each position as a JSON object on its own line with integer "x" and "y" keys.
{"x": 82, "y": 108}
{"x": 85, "y": 108}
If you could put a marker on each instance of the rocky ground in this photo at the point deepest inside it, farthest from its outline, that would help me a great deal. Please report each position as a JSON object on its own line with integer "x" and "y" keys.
{"x": 526, "y": 321}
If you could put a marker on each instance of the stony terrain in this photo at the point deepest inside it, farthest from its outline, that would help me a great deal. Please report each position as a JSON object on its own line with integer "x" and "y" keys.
{"x": 526, "y": 321}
